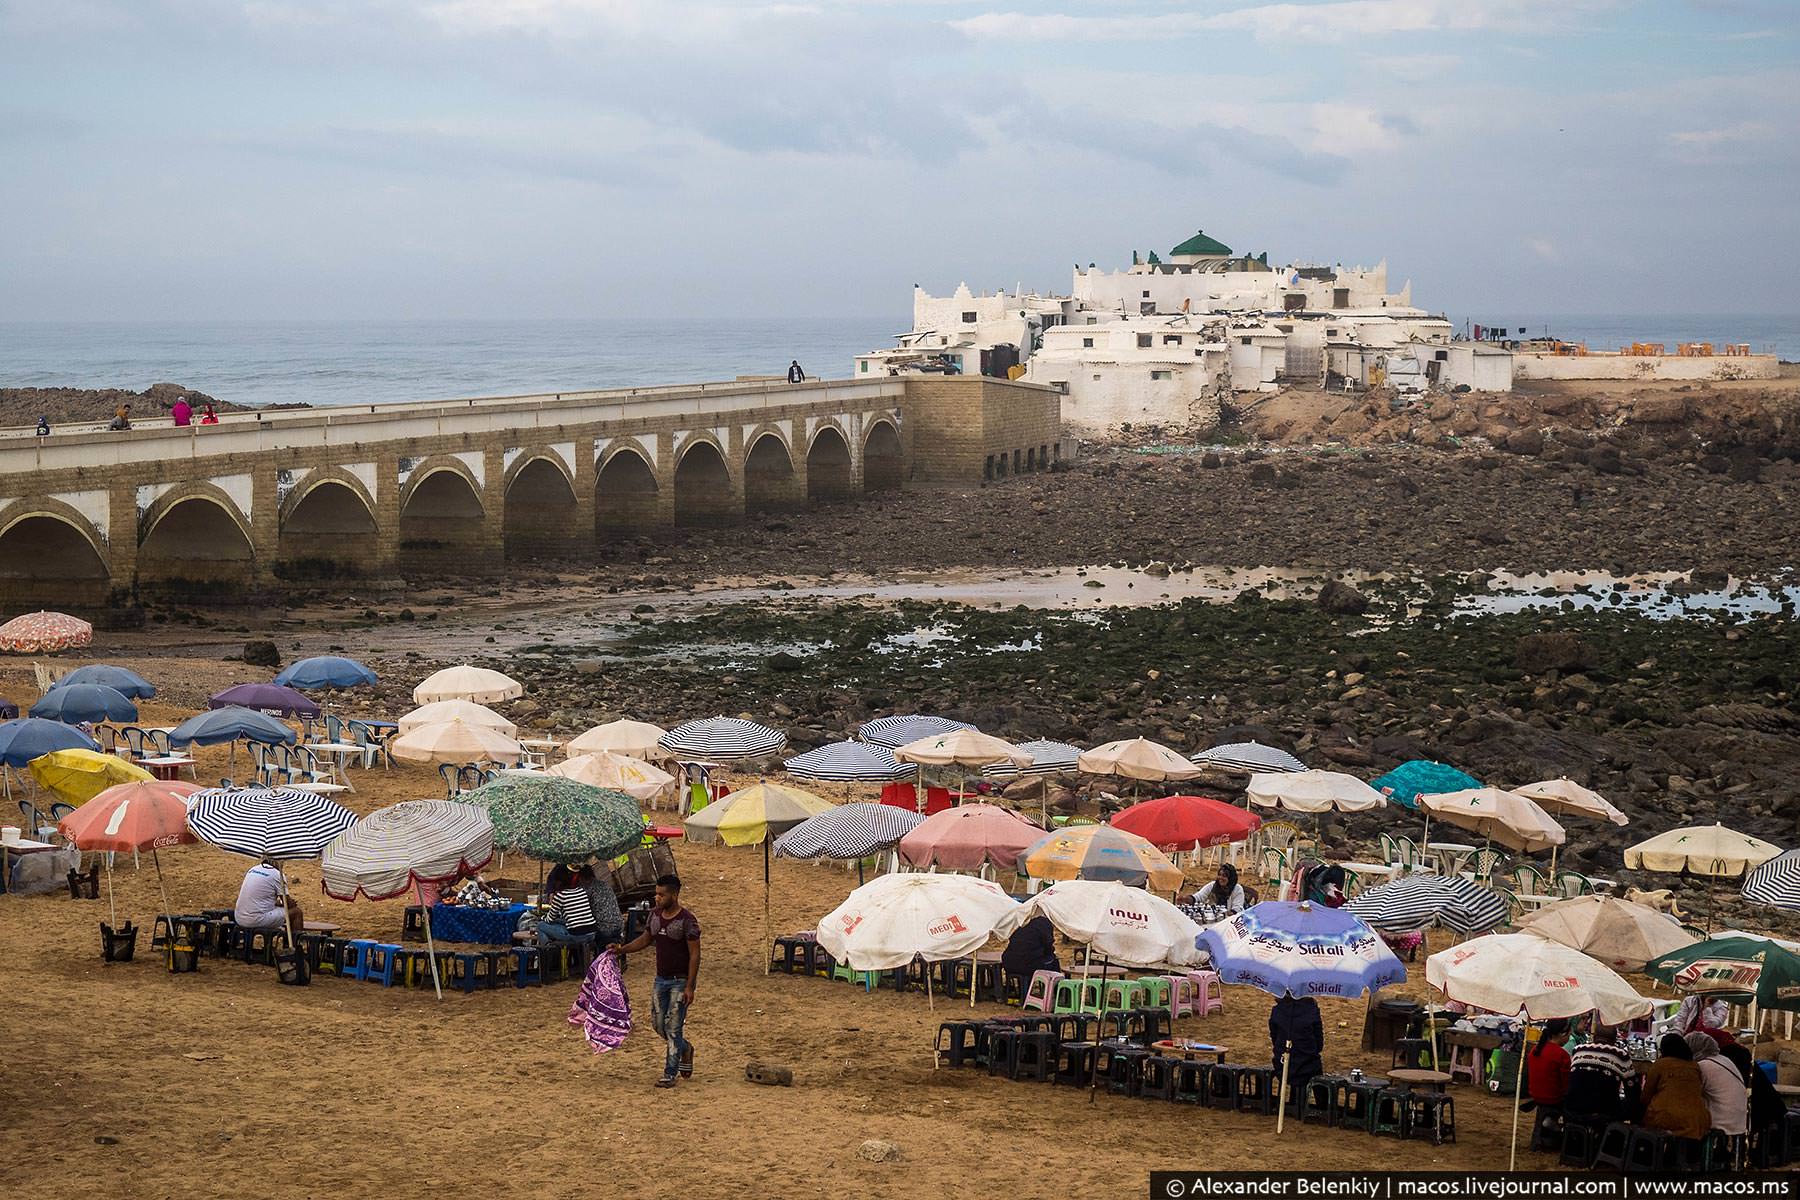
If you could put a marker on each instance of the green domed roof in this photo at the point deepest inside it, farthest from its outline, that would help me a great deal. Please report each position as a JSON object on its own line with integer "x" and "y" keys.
{"x": 1201, "y": 246}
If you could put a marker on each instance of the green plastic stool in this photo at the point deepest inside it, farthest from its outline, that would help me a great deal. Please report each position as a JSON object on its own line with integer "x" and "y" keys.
{"x": 1076, "y": 996}
{"x": 1156, "y": 991}
{"x": 1123, "y": 994}
{"x": 843, "y": 971}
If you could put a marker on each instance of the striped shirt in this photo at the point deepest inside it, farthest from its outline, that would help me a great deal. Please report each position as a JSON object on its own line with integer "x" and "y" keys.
{"x": 573, "y": 908}
{"x": 1599, "y": 1056}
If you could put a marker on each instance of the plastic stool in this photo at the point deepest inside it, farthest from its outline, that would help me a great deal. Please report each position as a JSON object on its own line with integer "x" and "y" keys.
{"x": 1467, "y": 1062}
{"x": 843, "y": 971}
{"x": 1548, "y": 1130}
{"x": 1387, "y": 1113}
{"x": 1122, "y": 1067}
{"x": 381, "y": 960}
{"x": 1153, "y": 1025}
{"x": 1003, "y": 1051}
{"x": 1157, "y": 1079}
{"x": 1183, "y": 997}
{"x": 1074, "y": 1064}
{"x": 1034, "y": 1056}
{"x": 1190, "y": 1082}
{"x": 1155, "y": 990}
{"x": 354, "y": 962}
{"x": 1319, "y": 1100}
{"x": 1076, "y": 995}
{"x": 956, "y": 1042}
{"x": 1429, "y": 1114}
{"x": 1075, "y": 1027}
{"x": 1255, "y": 1090}
{"x": 528, "y": 970}
{"x": 1413, "y": 1054}
{"x": 1209, "y": 993}
{"x": 1580, "y": 1142}
{"x": 1122, "y": 994}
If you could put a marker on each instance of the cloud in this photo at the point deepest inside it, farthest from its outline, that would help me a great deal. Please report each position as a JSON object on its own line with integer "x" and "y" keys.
{"x": 1707, "y": 139}
{"x": 1544, "y": 248}
{"x": 1338, "y": 20}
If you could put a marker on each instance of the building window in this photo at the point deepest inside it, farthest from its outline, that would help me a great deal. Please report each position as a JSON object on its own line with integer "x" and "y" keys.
{"x": 1096, "y": 379}
{"x": 1340, "y": 297}
{"x": 1243, "y": 341}
{"x": 1162, "y": 375}
{"x": 1171, "y": 339}
{"x": 1061, "y": 385}
{"x": 1146, "y": 295}
{"x": 1031, "y": 459}
{"x": 1442, "y": 355}
{"x": 1145, "y": 341}
{"x": 1093, "y": 320}
{"x": 1015, "y": 469}
{"x": 1087, "y": 343}
{"x": 865, "y": 367}
{"x": 968, "y": 318}
{"x": 987, "y": 472}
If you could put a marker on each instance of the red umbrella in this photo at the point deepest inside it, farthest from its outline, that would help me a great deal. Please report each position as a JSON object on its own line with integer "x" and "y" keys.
{"x": 42, "y": 632}
{"x": 962, "y": 838}
{"x": 1187, "y": 822}
{"x": 133, "y": 816}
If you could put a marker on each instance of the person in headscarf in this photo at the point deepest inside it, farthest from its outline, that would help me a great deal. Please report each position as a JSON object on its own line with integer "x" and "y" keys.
{"x": 1223, "y": 892}
{"x": 1673, "y": 1096}
{"x": 1767, "y": 1108}
{"x": 1547, "y": 1066}
{"x": 1727, "y": 1094}
{"x": 1698, "y": 1012}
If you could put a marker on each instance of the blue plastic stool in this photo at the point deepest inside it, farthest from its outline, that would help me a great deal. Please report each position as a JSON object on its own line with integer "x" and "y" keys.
{"x": 464, "y": 970}
{"x": 354, "y": 964}
{"x": 380, "y": 961}
{"x": 528, "y": 970}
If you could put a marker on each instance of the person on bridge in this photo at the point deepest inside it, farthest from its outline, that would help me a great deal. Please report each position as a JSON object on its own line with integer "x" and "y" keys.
{"x": 121, "y": 418}
{"x": 43, "y": 426}
{"x": 795, "y": 374}
{"x": 207, "y": 415}
{"x": 181, "y": 412}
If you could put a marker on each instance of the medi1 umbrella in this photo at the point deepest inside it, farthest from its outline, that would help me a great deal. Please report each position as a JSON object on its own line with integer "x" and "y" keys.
{"x": 132, "y": 817}
{"x": 405, "y": 846}
{"x": 1099, "y": 852}
{"x": 1187, "y": 822}
{"x": 126, "y": 682}
{"x": 84, "y": 703}
{"x": 326, "y": 671}
{"x": 476, "y": 684}
{"x": 269, "y": 699}
{"x": 1617, "y": 932}
{"x": 79, "y": 775}
{"x": 1403, "y": 784}
{"x": 44, "y": 633}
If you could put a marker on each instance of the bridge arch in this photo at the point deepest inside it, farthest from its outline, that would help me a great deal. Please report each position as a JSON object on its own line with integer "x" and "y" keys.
{"x": 770, "y": 482}
{"x": 539, "y": 512}
{"x": 50, "y": 555}
{"x": 703, "y": 491}
{"x": 884, "y": 459}
{"x": 828, "y": 465}
{"x": 443, "y": 521}
{"x": 195, "y": 539}
{"x": 625, "y": 493}
{"x": 328, "y": 528}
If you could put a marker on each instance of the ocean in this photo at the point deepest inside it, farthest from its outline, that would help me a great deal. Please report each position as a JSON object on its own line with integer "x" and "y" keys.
{"x": 371, "y": 362}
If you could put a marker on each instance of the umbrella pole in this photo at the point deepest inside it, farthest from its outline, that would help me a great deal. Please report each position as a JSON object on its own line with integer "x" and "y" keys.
{"x": 1099, "y": 1026}
{"x": 1512, "y": 1162}
{"x": 766, "y": 936}
{"x": 111, "y": 908}
{"x": 1287, "y": 1052}
{"x": 160, "y": 886}
{"x": 974, "y": 967}
{"x": 430, "y": 944}
{"x": 930, "y": 1003}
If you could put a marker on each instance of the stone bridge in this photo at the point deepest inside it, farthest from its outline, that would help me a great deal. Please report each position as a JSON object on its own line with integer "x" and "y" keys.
{"x": 236, "y": 510}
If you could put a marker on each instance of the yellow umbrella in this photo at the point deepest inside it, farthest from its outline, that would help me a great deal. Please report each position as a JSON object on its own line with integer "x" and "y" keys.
{"x": 620, "y": 772}
{"x": 1103, "y": 852}
{"x": 759, "y": 813}
{"x": 79, "y": 775}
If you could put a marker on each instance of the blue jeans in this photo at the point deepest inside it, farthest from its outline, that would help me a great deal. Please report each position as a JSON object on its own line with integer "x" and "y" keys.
{"x": 668, "y": 1015}
{"x": 555, "y": 932}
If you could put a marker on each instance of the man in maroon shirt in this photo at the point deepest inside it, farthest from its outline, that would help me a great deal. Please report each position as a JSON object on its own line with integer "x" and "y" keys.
{"x": 675, "y": 933}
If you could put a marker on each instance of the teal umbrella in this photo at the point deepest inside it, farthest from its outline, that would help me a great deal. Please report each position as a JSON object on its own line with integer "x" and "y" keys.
{"x": 1406, "y": 782}
{"x": 1735, "y": 967}
{"x": 554, "y": 819}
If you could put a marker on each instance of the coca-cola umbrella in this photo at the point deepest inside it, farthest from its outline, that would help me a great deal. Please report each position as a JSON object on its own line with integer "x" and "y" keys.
{"x": 1188, "y": 822}
{"x": 132, "y": 817}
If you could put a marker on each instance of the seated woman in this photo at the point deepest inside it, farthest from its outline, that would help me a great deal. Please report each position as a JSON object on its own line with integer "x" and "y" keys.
{"x": 582, "y": 914}
{"x": 1223, "y": 892}
{"x": 1767, "y": 1107}
{"x": 1600, "y": 1073}
{"x": 1673, "y": 1096}
{"x": 1727, "y": 1094}
{"x": 1031, "y": 948}
{"x": 1547, "y": 1066}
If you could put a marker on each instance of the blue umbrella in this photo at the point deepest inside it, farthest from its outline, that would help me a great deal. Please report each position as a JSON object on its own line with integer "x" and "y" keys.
{"x": 1408, "y": 781}
{"x": 80, "y": 702}
{"x": 228, "y": 725}
{"x": 326, "y": 671}
{"x": 1300, "y": 949}
{"x": 22, "y": 741}
{"x": 126, "y": 683}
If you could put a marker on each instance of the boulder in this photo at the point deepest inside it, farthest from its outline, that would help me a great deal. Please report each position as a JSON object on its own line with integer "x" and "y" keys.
{"x": 1658, "y": 410}
{"x": 1340, "y": 598}
{"x": 1536, "y": 653}
{"x": 261, "y": 654}
{"x": 876, "y": 1150}
{"x": 1528, "y": 442}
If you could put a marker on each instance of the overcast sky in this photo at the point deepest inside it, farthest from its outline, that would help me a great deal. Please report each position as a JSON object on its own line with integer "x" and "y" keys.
{"x": 583, "y": 158}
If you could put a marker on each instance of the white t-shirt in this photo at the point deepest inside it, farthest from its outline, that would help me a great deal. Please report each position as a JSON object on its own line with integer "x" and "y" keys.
{"x": 260, "y": 902}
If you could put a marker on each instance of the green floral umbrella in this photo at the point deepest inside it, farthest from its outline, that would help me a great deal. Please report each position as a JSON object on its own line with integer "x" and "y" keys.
{"x": 1734, "y": 966}
{"x": 559, "y": 820}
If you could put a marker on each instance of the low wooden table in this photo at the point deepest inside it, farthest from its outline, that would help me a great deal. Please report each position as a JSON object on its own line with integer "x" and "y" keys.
{"x": 321, "y": 927}
{"x": 1410, "y": 1077}
{"x": 1190, "y": 1051}
{"x": 166, "y": 767}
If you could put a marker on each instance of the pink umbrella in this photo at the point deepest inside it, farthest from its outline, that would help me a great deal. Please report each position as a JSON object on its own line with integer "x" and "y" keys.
{"x": 41, "y": 632}
{"x": 963, "y": 838}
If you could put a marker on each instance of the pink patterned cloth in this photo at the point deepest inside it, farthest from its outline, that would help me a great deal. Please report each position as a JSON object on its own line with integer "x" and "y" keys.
{"x": 601, "y": 1008}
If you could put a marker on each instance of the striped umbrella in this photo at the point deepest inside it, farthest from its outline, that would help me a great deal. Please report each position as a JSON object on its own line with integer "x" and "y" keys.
{"x": 405, "y": 846}
{"x": 1776, "y": 882}
{"x": 1249, "y": 757}
{"x": 271, "y": 823}
{"x": 847, "y": 831}
{"x": 1102, "y": 852}
{"x": 847, "y": 762}
{"x": 43, "y": 632}
{"x": 558, "y": 820}
{"x": 895, "y": 732}
{"x": 1047, "y": 758}
{"x": 119, "y": 679}
{"x": 723, "y": 739}
{"x": 84, "y": 702}
{"x": 1410, "y": 904}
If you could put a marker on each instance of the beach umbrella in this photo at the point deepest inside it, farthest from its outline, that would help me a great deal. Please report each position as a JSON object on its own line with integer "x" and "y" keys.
{"x": 1136, "y": 758}
{"x": 1776, "y": 881}
{"x": 1300, "y": 949}
{"x": 847, "y": 762}
{"x": 1505, "y": 817}
{"x": 1518, "y": 974}
{"x": 1187, "y": 822}
{"x": 553, "y": 819}
{"x": 456, "y": 710}
{"x": 29, "y": 737}
{"x": 1711, "y": 850}
{"x": 8, "y": 710}
{"x": 130, "y": 817}
{"x": 1617, "y": 932}
{"x": 1403, "y": 784}
{"x": 723, "y": 739}
{"x": 639, "y": 739}
{"x": 1047, "y": 758}
{"x": 82, "y": 703}
{"x": 119, "y": 679}
{"x": 894, "y": 919}
{"x": 44, "y": 633}
{"x": 271, "y": 699}
{"x": 326, "y": 671}
{"x": 1249, "y": 757}
{"x": 968, "y": 837}
{"x": 1099, "y": 852}
{"x": 761, "y": 813}
{"x": 79, "y": 775}
{"x": 1412, "y": 902}
{"x": 1120, "y": 923}
{"x": 961, "y": 748}
{"x": 405, "y": 846}
{"x": 1567, "y": 796}
{"x": 894, "y": 732}
{"x": 1741, "y": 967}
{"x": 464, "y": 682}
{"x": 267, "y": 823}
{"x": 622, "y": 773}
{"x": 230, "y": 724}
{"x": 849, "y": 831}
{"x": 1313, "y": 792}
{"x": 454, "y": 742}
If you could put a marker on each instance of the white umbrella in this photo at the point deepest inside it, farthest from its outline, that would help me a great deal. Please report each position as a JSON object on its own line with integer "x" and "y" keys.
{"x": 477, "y": 684}
{"x": 888, "y": 922}
{"x": 1312, "y": 792}
{"x": 1519, "y": 974}
{"x": 455, "y": 742}
{"x": 961, "y": 748}
{"x": 1505, "y": 817}
{"x": 1137, "y": 758}
{"x": 1701, "y": 850}
{"x": 1617, "y": 932}
{"x": 620, "y": 772}
{"x": 1124, "y": 924}
{"x": 457, "y": 710}
{"x": 1567, "y": 796}
{"x": 639, "y": 739}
